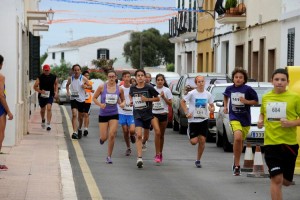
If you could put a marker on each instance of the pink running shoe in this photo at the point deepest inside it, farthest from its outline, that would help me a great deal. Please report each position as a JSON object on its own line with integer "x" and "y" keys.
{"x": 157, "y": 159}
{"x": 3, "y": 168}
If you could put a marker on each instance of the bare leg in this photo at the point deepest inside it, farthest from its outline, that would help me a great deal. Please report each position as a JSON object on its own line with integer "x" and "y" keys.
{"x": 113, "y": 125}
{"x": 74, "y": 119}
{"x": 126, "y": 135}
{"x": 155, "y": 125}
{"x": 103, "y": 126}
{"x": 162, "y": 127}
{"x": 49, "y": 112}
{"x": 276, "y": 186}
{"x": 201, "y": 146}
{"x": 43, "y": 112}
{"x": 2, "y": 128}
{"x": 237, "y": 147}
{"x": 138, "y": 142}
{"x": 80, "y": 119}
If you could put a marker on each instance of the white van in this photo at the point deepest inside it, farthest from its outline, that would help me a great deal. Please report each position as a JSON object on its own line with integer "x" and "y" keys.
{"x": 170, "y": 76}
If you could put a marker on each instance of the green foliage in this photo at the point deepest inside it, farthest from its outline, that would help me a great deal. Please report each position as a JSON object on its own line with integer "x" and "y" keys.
{"x": 230, "y": 4}
{"x": 43, "y": 57}
{"x": 98, "y": 75}
{"x": 104, "y": 64}
{"x": 84, "y": 68}
{"x": 62, "y": 72}
{"x": 170, "y": 67}
{"x": 154, "y": 48}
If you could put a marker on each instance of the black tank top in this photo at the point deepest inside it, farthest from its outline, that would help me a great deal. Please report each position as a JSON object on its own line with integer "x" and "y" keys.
{"x": 47, "y": 83}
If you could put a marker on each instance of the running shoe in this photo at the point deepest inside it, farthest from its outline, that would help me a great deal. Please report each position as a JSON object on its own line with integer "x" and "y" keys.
{"x": 198, "y": 164}
{"x": 157, "y": 159}
{"x": 48, "y": 127}
{"x": 128, "y": 152}
{"x": 101, "y": 141}
{"x": 79, "y": 133}
{"x": 109, "y": 160}
{"x": 132, "y": 139}
{"x": 3, "y": 168}
{"x": 139, "y": 163}
{"x": 43, "y": 124}
{"x": 74, "y": 136}
{"x": 237, "y": 171}
{"x": 144, "y": 147}
{"x": 85, "y": 132}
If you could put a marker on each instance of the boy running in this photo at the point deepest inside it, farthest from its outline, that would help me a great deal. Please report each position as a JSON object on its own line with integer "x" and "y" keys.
{"x": 197, "y": 115}
{"x": 280, "y": 112}
{"x": 241, "y": 98}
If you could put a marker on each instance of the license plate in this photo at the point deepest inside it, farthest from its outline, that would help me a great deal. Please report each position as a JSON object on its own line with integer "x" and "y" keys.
{"x": 257, "y": 134}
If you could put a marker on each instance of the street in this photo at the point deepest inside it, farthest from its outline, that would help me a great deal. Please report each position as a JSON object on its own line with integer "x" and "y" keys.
{"x": 176, "y": 178}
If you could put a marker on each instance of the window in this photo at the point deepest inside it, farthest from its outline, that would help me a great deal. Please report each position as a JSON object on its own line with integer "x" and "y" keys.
{"x": 62, "y": 55}
{"x": 53, "y": 55}
{"x": 103, "y": 54}
{"x": 290, "y": 47}
{"x": 34, "y": 56}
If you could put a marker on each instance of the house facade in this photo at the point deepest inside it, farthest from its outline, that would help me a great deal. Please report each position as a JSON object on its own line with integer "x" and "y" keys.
{"x": 20, "y": 26}
{"x": 84, "y": 50}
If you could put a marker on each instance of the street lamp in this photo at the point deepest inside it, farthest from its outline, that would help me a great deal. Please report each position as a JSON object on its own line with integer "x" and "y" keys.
{"x": 50, "y": 15}
{"x": 200, "y": 6}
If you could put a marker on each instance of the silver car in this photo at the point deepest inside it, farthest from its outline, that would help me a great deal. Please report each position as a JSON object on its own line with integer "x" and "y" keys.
{"x": 62, "y": 93}
{"x": 224, "y": 136}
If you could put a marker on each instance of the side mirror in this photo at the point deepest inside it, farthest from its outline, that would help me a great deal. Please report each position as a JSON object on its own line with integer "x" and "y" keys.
{"x": 220, "y": 104}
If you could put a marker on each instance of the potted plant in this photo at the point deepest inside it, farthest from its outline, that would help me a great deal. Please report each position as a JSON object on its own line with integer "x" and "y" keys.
{"x": 233, "y": 4}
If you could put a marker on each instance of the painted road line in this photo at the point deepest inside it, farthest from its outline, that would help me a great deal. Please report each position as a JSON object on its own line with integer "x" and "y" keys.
{"x": 89, "y": 179}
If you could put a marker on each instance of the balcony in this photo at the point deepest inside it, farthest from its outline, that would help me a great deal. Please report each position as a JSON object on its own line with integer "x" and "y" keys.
{"x": 235, "y": 15}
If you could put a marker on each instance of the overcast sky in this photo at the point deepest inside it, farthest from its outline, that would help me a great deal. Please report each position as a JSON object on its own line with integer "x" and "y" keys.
{"x": 75, "y": 19}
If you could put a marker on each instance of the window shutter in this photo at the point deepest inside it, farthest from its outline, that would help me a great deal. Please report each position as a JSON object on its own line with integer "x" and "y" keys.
{"x": 291, "y": 47}
{"x": 34, "y": 56}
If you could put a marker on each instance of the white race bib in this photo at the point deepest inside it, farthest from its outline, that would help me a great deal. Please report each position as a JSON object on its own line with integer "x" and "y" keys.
{"x": 127, "y": 107}
{"x": 235, "y": 98}
{"x": 138, "y": 103}
{"x": 200, "y": 113}
{"x": 74, "y": 94}
{"x": 276, "y": 111}
{"x": 46, "y": 95}
{"x": 111, "y": 99}
{"x": 158, "y": 105}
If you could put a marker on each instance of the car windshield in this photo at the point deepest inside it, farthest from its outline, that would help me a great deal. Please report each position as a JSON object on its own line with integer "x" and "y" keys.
{"x": 217, "y": 93}
{"x": 191, "y": 81}
{"x": 261, "y": 91}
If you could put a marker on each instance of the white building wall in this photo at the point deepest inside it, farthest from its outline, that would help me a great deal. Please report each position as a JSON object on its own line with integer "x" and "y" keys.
{"x": 70, "y": 56}
{"x": 184, "y": 63}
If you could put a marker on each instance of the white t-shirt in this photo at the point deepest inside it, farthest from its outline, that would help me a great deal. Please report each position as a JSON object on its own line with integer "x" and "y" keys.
{"x": 77, "y": 92}
{"x": 161, "y": 106}
{"x": 198, "y": 105}
{"x": 127, "y": 110}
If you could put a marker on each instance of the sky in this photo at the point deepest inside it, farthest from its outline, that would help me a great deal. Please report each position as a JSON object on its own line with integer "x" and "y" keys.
{"x": 76, "y": 19}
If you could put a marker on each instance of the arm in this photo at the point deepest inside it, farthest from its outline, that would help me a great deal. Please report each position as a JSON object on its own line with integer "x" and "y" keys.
{"x": 168, "y": 101}
{"x": 248, "y": 102}
{"x": 122, "y": 98}
{"x": 86, "y": 84}
{"x": 260, "y": 122}
{"x": 96, "y": 95}
{"x": 3, "y": 98}
{"x": 68, "y": 86}
{"x": 56, "y": 88}
{"x": 211, "y": 107}
{"x": 36, "y": 86}
{"x": 289, "y": 123}
{"x": 225, "y": 104}
{"x": 185, "y": 109}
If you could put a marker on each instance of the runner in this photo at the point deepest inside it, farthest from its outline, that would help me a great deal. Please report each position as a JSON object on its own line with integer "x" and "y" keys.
{"x": 126, "y": 114}
{"x": 141, "y": 96}
{"x": 160, "y": 112}
{"x": 77, "y": 84}
{"x": 4, "y": 110}
{"x": 111, "y": 95}
{"x": 46, "y": 85}
{"x": 197, "y": 115}
{"x": 87, "y": 104}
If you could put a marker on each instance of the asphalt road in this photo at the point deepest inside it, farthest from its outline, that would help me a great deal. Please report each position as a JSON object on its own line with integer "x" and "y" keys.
{"x": 176, "y": 178}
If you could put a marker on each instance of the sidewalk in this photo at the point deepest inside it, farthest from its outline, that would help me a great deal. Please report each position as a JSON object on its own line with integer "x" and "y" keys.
{"x": 38, "y": 167}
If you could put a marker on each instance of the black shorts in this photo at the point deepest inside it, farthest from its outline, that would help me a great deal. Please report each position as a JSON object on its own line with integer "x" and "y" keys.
{"x": 77, "y": 105}
{"x": 44, "y": 101}
{"x": 198, "y": 128}
{"x": 104, "y": 119}
{"x": 86, "y": 107}
{"x": 281, "y": 159}
{"x": 145, "y": 124}
{"x": 161, "y": 117}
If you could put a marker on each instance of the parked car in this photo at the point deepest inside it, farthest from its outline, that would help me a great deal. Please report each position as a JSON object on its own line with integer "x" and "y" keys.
{"x": 170, "y": 76}
{"x": 224, "y": 136}
{"x": 216, "y": 89}
{"x": 185, "y": 84}
{"x": 170, "y": 113}
{"x": 62, "y": 93}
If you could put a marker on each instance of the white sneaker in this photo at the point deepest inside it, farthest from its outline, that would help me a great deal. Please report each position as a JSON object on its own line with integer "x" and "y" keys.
{"x": 144, "y": 147}
{"x": 43, "y": 124}
{"x": 139, "y": 163}
{"x": 48, "y": 127}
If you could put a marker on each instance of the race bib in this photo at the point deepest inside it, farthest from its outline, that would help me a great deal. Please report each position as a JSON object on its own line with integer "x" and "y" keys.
{"x": 127, "y": 107}
{"x": 87, "y": 95}
{"x": 138, "y": 103}
{"x": 158, "y": 105}
{"x": 74, "y": 94}
{"x": 276, "y": 111}
{"x": 235, "y": 99}
{"x": 200, "y": 113}
{"x": 46, "y": 95}
{"x": 111, "y": 99}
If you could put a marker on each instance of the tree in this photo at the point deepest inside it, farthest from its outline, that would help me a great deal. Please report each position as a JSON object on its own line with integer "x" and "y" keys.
{"x": 104, "y": 64}
{"x": 43, "y": 57}
{"x": 63, "y": 71}
{"x": 148, "y": 49}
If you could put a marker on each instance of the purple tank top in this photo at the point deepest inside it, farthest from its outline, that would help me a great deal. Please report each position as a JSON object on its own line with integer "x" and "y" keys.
{"x": 110, "y": 99}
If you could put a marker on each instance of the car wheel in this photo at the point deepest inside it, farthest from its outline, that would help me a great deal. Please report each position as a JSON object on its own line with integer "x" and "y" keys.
{"x": 227, "y": 147}
{"x": 219, "y": 139}
{"x": 175, "y": 125}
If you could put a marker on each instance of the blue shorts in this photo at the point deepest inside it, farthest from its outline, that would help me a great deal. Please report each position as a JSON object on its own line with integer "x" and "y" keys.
{"x": 44, "y": 101}
{"x": 2, "y": 110}
{"x": 142, "y": 123}
{"x": 126, "y": 120}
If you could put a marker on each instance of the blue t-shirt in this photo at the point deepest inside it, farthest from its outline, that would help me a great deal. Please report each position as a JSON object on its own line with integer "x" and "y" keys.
{"x": 237, "y": 110}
